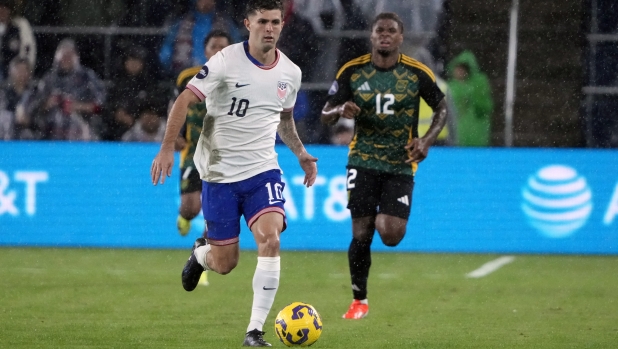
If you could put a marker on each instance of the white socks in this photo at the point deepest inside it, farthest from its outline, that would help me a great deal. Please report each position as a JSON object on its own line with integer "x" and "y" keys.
{"x": 200, "y": 254}
{"x": 265, "y": 284}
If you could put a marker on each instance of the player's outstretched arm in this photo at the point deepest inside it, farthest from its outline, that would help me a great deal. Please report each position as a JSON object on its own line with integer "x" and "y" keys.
{"x": 164, "y": 161}
{"x": 418, "y": 148}
{"x": 331, "y": 114}
{"x": 289, "y": 136}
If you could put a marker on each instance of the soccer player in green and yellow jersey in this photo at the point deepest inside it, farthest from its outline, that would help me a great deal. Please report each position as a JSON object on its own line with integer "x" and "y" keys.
{"x": 381, "y": 91}
{"x": 190, "y": 182}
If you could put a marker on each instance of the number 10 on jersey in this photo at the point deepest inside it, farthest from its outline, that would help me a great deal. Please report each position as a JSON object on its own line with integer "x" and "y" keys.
{"x": 243, "y": 104}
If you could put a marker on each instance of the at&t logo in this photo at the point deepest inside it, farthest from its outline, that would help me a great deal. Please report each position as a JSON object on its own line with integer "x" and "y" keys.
{"x": 557, "y": 201}
{"x": 8, "y": 197}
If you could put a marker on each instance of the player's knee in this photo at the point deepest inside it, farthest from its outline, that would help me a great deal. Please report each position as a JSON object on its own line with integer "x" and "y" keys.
{"x": 224, "y": 270}
{"x": 189, "y": 211}
{"x": 393, "y": 237}
{"x": 194, "y": 211}
{"x": 227, "y": 266}
{"x": 391, "y": 241}
{"x": 271, "y": 243}
{"x": 363, "y": 236}
{"x": 223, "y": 263}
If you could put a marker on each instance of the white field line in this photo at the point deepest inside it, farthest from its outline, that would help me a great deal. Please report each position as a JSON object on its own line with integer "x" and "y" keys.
{"x": 490, "y": 267}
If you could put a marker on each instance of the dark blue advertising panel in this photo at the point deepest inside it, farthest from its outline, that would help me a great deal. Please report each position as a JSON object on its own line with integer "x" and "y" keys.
{"x": 465, "y": 200}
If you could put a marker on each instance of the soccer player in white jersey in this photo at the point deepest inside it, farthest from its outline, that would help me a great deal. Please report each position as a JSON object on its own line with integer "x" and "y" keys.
{"x": 250, "y": 89}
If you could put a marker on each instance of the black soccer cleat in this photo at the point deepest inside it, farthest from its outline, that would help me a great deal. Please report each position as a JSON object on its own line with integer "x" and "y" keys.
{"x": 193, "y": 269}
{"x": 254, "y": 339}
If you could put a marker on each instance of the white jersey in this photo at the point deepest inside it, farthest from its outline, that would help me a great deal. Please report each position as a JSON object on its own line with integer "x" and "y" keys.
{"x": 244, "y": 101}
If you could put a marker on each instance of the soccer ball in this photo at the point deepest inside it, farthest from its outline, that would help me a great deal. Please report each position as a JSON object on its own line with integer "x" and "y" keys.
{"x": 298, "y": 325}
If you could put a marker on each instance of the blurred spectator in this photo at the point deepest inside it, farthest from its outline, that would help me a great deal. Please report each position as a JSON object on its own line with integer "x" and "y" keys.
{"x": 471, "y": 95}
{"x": 183, "y": 44}
{"x": 13, "y": 121}
{"x": 343, "y": 132}
{"x": 27, "y": 46}
{"x": 149, "y": 127}
{"x": 68, "y": 98}
{"x": 15, "y": 37}
{"x": 354, "y": 19}
{"x": 302, "y": 49}
{"x": 132, "y": 86}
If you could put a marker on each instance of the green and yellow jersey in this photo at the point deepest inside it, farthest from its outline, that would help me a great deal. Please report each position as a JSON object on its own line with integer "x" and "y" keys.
{"x": 192, "y": 128}
{"x": 389, "y": 100}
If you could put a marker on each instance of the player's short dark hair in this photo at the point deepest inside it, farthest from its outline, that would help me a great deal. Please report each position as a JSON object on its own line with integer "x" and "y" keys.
{"x": 388, "y": 15}
{"x": 217, "y": 33}
{"x": 262, "y": 5}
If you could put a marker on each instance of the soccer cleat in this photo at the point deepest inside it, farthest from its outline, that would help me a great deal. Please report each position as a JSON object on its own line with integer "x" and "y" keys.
{"x": 183, "y": 225}
{"x": 357, "y": 310}
{"x": 254, "y": 338}
{"x": 204, "y": 278}
{"x": 193, "y": 269}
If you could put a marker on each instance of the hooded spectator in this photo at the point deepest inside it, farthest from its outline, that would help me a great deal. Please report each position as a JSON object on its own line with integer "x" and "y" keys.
{"x": 471, "y": 96}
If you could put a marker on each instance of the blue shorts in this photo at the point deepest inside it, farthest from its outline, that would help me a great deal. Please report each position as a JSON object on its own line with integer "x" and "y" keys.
{"x": 224, "y": 203}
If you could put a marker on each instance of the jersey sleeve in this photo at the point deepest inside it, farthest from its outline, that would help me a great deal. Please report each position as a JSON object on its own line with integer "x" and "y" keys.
{"x": 209, "y": 77}
{"x": 340, "y": 91}
{"x": 290, "y": 101}
{"x": 429, "y": 89}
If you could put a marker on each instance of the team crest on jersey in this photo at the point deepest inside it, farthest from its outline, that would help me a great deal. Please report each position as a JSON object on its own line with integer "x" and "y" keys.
{"x": 282, "y": 89}
{"x": 333, "y": 88}
{"x": 401, "y": 85}
{"x": 202, "y": 73}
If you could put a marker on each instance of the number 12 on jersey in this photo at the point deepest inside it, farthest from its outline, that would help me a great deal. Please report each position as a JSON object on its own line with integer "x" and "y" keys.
{"x": 389, "y": 100}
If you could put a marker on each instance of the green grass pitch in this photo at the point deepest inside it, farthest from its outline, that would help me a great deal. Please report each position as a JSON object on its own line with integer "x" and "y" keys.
{"x": 115, "y": 298}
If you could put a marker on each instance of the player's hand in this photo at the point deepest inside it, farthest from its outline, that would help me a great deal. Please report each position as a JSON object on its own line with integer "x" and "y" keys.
{"x": 308, "y": 164}
{"x": 162, "y": 166}
{"x": 417, "y": 150}
{"x": 349, "y": 110}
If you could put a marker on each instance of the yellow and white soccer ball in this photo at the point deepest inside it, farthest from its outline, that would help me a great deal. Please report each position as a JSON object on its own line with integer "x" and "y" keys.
{"x": 298, "y": 325}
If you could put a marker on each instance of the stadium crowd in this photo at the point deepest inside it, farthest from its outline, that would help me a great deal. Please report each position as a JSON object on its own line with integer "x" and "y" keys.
{"x": 60, "y": 92}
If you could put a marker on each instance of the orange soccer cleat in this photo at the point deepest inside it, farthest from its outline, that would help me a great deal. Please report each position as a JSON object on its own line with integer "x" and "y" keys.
{"x": 357, "y": 310}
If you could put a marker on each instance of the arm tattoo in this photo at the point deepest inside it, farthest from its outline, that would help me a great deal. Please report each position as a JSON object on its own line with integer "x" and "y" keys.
{"x": 288, "y": 134}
